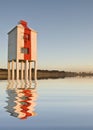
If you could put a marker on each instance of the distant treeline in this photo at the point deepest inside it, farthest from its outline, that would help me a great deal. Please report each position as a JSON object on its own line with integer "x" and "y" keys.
{"x": 47, "y": 74}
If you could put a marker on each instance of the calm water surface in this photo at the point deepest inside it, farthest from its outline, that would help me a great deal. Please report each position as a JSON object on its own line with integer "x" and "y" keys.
{"x": 62, "y": 104}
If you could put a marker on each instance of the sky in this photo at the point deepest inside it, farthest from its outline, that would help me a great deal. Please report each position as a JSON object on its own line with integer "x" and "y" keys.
{"x": 65, "y": 31}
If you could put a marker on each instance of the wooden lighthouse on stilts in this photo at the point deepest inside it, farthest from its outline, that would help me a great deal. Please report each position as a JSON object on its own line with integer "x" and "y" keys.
{"x": 22, "y": 52}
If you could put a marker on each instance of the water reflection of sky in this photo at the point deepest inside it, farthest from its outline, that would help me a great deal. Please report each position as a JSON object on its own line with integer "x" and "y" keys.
{"x": 63, "y": 104}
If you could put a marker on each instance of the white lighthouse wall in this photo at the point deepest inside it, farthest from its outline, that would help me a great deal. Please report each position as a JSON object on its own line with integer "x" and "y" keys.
{"x": 20, "y": 42}
{"x": 12, "y": 44}
{"x": 33, "y": 45}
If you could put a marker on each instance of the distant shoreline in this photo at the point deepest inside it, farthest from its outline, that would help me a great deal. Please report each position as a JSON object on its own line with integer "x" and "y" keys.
{"x": 47, "y": 74}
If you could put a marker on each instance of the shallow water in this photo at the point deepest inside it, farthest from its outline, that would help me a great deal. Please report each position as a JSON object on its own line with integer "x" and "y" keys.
{"x": 62, "y": 104}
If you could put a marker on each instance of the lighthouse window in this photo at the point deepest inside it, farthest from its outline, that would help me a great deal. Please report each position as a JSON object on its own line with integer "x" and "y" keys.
{"x": 25, "y": 50}
{"x": 27, "y": 37}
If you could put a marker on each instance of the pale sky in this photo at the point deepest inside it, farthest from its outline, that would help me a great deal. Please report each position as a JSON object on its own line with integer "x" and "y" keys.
{"x": 65, "y": 31}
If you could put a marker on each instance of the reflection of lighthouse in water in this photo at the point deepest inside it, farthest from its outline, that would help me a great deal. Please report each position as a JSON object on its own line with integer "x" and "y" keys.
{"x": 21, "y": 102}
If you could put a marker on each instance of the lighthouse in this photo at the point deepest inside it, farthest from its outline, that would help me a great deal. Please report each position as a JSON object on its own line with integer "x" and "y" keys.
{"x": 22, "y": 52}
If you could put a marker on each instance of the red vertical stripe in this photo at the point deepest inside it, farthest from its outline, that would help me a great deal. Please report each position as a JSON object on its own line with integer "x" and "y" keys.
{"x": 27, "y": 43}
{"x": 27, "y": 40}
